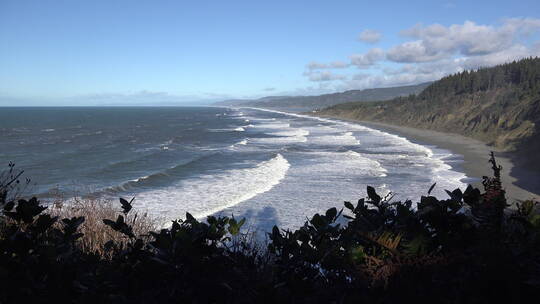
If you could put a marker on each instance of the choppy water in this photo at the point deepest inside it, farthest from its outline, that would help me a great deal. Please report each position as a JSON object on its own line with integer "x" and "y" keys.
{"x": 269, "y": 166}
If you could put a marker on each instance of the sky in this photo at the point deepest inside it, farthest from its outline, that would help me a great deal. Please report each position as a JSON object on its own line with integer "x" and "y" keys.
{"x": 118, "y": 52}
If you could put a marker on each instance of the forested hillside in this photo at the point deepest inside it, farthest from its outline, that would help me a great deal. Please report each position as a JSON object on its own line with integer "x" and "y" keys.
{"x": 498, "y": 105}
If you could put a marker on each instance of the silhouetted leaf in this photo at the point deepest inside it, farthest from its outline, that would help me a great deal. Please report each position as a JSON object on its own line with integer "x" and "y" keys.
{"x": 373, "y": 196}
{"x": 331, "y": 213}
{"x": 431, "y": 188}
{"x": 9, "y": 206}
{"x": 126, "y": 206}
{"x": 455, "y": 195}
{"x": 190, "y": 218}
{"x": 44, "y": 222}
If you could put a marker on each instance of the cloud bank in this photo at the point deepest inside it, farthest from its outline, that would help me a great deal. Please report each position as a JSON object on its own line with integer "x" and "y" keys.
{"x": 430, "y": 52}
{"x": 370, "y": 36}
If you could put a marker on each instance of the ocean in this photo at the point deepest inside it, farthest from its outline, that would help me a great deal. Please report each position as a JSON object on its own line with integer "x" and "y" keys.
{"x": 272, "y": 167}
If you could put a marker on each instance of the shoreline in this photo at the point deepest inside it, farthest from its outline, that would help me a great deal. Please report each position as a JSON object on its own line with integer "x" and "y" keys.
{"x": 475, "y": 155}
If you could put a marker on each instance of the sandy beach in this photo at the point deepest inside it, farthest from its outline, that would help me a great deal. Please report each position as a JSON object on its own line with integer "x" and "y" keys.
{"x": 475, "y": 155}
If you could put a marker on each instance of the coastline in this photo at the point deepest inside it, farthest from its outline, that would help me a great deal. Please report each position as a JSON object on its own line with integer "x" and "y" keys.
{"x": 475, "y": 155}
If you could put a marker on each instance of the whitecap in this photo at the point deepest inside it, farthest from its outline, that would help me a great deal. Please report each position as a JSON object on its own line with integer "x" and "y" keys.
{"x": 209, "y": 193}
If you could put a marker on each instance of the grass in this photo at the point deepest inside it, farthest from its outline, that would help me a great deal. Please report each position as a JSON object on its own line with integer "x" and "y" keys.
{"x": 96, "y": 233}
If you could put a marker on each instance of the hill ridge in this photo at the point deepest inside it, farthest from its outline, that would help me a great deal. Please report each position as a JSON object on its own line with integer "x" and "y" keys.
{"x": 325, "y": 100}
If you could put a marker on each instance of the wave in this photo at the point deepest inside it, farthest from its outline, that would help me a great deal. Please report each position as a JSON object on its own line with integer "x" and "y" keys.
{"x": 285, "y": 136}
{"x": 210, "y": 193}
{"x": 395, "y": 144}
{"x": 343, "y": 164}
{"x": 345, "y": 139}
{"x": 373, "y": 164}
{"x": 276, "y": 125}
{"x": 294, "y": 132}
{"x": 237, "y": 129}
{"x": 398, "y": 139}
{"x": 238, "y": 115}
{"x": 240, "y": 143}
{"x": 91, "y": 133}
{"x": 279, "y": 140}
{"x": 158, "y": 178}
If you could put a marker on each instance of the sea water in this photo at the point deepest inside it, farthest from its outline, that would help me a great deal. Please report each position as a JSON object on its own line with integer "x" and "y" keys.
{"x": 272, "y": 167}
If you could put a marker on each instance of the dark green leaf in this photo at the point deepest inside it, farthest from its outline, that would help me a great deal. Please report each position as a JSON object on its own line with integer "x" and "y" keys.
{"x": 431, "y": 188}
{"x": 373, "y": 196}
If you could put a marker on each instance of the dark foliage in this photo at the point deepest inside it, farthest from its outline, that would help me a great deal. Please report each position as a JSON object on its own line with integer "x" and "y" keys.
{"x": 469, "y": 248}
{"x": 524, "y": 73}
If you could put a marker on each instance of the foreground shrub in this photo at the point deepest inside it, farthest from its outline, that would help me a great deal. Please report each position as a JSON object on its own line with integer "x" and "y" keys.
{"x": 469, "y": 248}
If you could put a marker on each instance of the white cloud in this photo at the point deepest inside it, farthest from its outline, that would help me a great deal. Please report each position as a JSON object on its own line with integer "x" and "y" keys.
{"x": 333, "y": 65}
{"x": 324, "y": 76}
{"x": 515, "y": 52}
{"x": 434, "y": 51}
{"x": 368, "y": 59}
{"x": 370, "y": 36}
{"x": 413, "y": 51}
{"x": 535, "y": 49}
{"x": 360, "y": 76}
{"x": 436, "y": 41}
{"x": 523, "y": 26}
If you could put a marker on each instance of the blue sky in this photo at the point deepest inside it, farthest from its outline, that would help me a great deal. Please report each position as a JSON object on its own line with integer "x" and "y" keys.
{"x": 159, "y": 52}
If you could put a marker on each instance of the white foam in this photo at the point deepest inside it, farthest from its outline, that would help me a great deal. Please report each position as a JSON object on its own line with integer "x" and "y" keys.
{"x": 346, "y": 138}
{"x": 292, "y": 132}
{"x": 240, "y": 143}
{"x": 286, "y": 136}
{"x": 282, "y": 140}
{"x": 237, "y": 129}
{"x": 276, "y": 125}
{"x": 140, "y": 179}
{"x": 210, "y": 193}
{"x": 342, "y": 165}
{"x": 252, "y": 118}
{"x": 165, "y": 145}
{"x": 441, "y": 171}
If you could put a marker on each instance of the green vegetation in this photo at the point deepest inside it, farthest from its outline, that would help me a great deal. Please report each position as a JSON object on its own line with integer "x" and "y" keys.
{"x": 498, "y": 105}
{"x": 468, "y": 248}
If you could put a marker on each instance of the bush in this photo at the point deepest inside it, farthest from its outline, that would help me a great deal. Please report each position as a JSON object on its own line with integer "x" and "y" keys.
{"x": 469, "y": 248}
